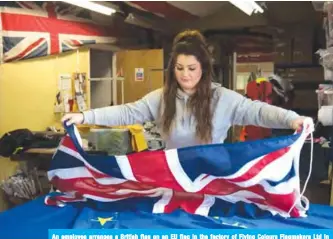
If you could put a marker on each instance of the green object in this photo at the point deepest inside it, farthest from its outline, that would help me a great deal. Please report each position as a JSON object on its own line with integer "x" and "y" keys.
{"x": 112, "y": 141}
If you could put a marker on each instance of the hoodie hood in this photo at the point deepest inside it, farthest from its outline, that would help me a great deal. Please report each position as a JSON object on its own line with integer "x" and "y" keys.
{"x": 183, "y": 96}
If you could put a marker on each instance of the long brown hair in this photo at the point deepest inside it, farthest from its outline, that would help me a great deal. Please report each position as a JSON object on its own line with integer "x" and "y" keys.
{"x": 191, "y": 43}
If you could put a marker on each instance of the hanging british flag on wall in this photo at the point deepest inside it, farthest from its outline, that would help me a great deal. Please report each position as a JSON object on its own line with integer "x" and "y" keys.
{"x": 35, "y": 29}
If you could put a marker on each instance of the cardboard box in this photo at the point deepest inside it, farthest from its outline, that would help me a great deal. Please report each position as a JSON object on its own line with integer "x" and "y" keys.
{"x": 306, "y": 75}
{"x": 298, "y": 30}
{"x": 305, "y": 99}
{"x": 294, "y": 45}
{"x": 282, "y": 51}
{"x": 302, "y": 52}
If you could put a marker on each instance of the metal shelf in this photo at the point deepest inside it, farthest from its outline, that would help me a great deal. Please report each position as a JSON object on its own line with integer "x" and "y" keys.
{"x": 107, "y": 79}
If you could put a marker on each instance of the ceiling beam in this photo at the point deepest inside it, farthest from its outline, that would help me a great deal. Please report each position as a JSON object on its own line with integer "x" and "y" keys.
{"x": 155, "y": 23}
{"x": 229, "y": 17}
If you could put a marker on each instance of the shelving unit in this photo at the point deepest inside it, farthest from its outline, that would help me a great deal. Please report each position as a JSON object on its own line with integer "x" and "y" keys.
{"x": 306, "y": 79}
{"x": 103, "y": 79}
{"x": 296, "y": 60}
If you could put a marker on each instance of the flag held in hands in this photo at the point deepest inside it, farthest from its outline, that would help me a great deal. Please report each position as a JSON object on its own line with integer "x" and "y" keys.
{"x": 204, "y": 180}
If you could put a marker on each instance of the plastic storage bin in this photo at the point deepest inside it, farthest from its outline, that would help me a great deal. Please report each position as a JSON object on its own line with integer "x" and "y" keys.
{"x": 111, "y": 141}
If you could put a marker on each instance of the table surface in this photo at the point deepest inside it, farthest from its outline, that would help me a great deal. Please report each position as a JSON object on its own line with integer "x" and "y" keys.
{"x": 34, "y": 219}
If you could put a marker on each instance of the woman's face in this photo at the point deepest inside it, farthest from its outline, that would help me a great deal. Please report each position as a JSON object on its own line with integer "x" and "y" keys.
{"x": 188, "y": 72}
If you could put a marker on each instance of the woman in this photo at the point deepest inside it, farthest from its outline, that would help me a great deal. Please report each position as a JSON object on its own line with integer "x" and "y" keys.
{"x": 190, "y": 109}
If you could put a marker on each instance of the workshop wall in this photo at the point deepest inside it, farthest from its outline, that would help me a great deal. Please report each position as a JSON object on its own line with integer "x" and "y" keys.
{"x": 28, "y": 90}
{"x": 151, "y": 61}
{"x": 27, "y": 95}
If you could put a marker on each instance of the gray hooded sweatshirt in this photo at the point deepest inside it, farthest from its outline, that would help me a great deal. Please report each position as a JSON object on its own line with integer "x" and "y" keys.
{"x": 228, "y": 107}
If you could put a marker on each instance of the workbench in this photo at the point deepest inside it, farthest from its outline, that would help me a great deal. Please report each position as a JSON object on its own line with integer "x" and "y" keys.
{"x": 38, "y": 160}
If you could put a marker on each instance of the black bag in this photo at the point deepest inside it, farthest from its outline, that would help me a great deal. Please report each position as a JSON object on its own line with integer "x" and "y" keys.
{"x": 14, "y": 141}
{"x": 19, "y": 140}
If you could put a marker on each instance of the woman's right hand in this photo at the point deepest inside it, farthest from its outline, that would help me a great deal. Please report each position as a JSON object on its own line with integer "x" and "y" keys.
{"x": 73, "y": 118}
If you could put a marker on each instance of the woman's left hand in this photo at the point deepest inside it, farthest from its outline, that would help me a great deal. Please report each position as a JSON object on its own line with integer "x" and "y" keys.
{"x": 297, "y": 123}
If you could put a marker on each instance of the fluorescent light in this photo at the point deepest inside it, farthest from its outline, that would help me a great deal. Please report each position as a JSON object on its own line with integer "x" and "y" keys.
{"x": 92, "y": 6}
{"x": 243, "y": 5}
{"x": 256, "y": 7}
{"x": 247, "y": 6}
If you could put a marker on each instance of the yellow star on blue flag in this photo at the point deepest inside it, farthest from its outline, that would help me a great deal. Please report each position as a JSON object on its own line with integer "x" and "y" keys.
{"x": 102, "y": 220}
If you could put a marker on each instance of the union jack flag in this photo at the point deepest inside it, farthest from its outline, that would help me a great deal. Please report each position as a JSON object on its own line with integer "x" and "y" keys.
{"x": 35, "y": 29}
{"x": 201, "y": 180}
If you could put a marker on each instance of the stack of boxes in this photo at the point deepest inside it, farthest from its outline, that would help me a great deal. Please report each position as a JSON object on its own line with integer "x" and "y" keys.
{"x": 305, "y": 81}
{"x": 295, "y": 59}
{"x": 294, "y": 45}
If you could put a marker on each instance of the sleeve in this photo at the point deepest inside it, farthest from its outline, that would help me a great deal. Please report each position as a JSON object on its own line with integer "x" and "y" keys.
{"x": 248, "y": 112}
{"x": 138, "y": 112}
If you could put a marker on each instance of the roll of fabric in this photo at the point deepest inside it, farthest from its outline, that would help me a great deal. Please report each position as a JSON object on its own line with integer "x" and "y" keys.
{"x": 325, "y": 115}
